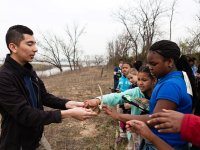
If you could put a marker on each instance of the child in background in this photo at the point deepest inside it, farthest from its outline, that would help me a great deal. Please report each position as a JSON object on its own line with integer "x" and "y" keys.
{"x": 123, "y": 85}
{"x": 145, "y": 84}
{"x": 117, "y": 74}
{"x": 132, "y": 77}
{"x": 174, "y": 90}
{"x": 193, "y": 65}
{"x": 133, "y": 140}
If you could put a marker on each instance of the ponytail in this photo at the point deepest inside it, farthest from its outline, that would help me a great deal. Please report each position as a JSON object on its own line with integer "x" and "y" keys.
{"x": 183, "y": 65}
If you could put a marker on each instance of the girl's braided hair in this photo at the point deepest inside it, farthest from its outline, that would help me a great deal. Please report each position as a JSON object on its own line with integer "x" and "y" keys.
{"x": 169, "y": 49}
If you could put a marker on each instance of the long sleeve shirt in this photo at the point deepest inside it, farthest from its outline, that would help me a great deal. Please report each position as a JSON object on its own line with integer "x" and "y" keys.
{"x": 116, "y": 98}
{"x": 190, "y": 129}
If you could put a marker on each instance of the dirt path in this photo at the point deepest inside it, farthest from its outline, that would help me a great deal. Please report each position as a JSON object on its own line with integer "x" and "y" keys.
{"x": 94, "y": 134}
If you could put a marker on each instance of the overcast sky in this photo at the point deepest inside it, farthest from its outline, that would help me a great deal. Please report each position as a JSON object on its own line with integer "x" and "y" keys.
{"x": 95, "y": 15}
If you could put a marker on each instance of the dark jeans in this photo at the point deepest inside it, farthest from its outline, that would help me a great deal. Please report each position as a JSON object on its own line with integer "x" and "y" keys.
{"x": 146, "y": 145}
{"x": 116, "y": 83}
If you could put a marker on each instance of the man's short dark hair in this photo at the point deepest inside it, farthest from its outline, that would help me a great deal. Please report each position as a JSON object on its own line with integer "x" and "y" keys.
{"x": 15, "y": 34}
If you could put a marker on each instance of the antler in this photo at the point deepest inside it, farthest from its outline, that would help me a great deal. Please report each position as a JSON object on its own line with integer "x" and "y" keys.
{"x": 100, "y": 107}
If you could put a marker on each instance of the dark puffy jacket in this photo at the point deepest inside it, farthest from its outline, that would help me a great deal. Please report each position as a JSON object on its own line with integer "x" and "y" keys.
{"x": 22, "y": 125}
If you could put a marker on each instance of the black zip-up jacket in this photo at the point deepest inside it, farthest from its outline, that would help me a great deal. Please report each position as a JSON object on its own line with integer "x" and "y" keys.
{"x": 22, "y": 125}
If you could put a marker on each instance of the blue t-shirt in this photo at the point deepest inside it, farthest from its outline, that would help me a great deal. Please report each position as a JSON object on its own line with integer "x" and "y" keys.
{"x": 124, "y": 84}
{"x": 172, "y": 87}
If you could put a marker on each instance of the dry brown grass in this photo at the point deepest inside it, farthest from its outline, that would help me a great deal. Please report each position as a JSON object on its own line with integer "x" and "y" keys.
{"x": 94, "y": 134}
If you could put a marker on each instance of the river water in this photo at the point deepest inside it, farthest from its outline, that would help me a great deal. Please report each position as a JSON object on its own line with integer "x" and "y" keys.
{"x": 50, "y": 72}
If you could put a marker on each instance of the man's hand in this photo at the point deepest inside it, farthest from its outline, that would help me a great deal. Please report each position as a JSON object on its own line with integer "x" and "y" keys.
{"x": 73, "y": 104}
{"x": 168, "y": 121}
{"x": 91, "y": 103}
{"x": 78, "y": 113}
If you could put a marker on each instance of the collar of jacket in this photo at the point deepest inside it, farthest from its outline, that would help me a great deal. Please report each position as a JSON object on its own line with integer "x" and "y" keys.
{"x": 26, "y": 70}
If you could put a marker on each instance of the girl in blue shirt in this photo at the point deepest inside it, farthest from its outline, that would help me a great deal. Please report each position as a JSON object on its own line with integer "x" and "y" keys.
{"x": 174, "y": 90}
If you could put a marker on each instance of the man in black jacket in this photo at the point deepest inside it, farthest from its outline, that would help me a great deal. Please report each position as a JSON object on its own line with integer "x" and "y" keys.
{"x": 23, "y": 94}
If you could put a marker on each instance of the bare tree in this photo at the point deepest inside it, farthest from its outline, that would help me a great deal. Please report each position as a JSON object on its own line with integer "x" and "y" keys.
{"x": 147, "y": 23}
{"x": 171, "y": 18}
{"x": 87, "y": 60}
{"x": 131, "y": 33}
{"x": 197, "y": 35}
{"x": 191, "y": 44}
{"x": 68, "y": 52}
{"x": 187, "y": 46}
{"x": 74, "y": 36}
{"x": 111, "y": 52}
{"x": 78, "y": 63}
{"x": 196, "y": 39}
{"x": 119, "y": 48}
{"x": 141, "y": 23}
{"x": 54, "y": 48}
{"x": 51, "y": 51}
{"x": 98, "y": 59}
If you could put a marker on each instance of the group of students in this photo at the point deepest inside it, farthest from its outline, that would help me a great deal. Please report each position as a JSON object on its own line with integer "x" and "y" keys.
{"x": 126, "y": 81}
{"x": 140, "y": 95}
{"x": 161, "y": 104}
{"x": 170, "y": 87}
